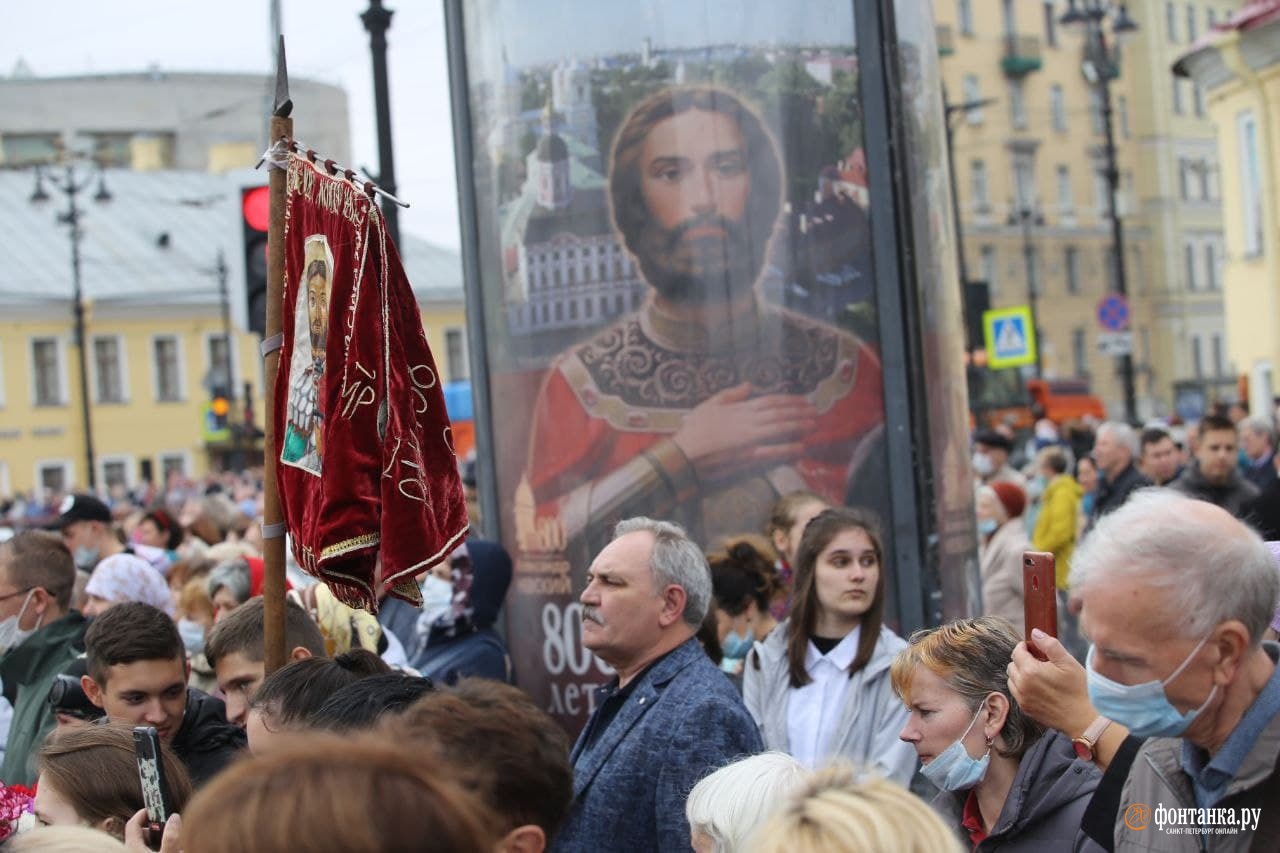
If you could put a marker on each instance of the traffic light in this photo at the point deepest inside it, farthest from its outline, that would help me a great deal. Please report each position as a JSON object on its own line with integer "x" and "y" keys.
{"x": 255, "y": 213}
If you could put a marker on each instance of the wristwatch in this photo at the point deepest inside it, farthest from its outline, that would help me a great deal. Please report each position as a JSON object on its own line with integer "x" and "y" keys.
{"x": 1085, "y": 743}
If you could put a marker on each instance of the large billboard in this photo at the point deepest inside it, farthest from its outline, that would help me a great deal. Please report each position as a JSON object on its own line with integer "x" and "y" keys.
{"x": 675, "y": 259}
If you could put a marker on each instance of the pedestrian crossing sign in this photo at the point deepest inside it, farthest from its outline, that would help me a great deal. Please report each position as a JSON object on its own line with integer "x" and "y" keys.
{"x": 1010, "y": 337}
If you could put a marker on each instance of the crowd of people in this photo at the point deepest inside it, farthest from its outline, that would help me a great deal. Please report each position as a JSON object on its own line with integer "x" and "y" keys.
{"x": 761, "y": 699}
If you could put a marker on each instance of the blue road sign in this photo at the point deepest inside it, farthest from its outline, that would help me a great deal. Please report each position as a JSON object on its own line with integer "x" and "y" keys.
{"x": 1113, "y": 313}
{"x": 1010, "y": 338}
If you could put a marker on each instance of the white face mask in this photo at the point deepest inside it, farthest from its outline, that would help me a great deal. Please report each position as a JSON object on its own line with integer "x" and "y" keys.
{"x": 437, "y": 596}
{"x": 11, "y": 635}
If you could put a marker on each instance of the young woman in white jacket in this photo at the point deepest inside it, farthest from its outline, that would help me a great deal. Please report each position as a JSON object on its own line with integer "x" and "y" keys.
{"x": 818, "y": 685}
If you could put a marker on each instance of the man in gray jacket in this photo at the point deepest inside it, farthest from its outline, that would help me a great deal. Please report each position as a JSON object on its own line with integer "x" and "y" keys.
{"x": 670, "y": 717}
{"x": 1175, "y": 596}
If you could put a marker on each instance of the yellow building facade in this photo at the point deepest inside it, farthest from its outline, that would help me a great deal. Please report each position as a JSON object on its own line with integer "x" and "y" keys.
{"x": 1239, "y": 70}
{"x": 149, "y": 372}
{"x": 1033, "y": 196}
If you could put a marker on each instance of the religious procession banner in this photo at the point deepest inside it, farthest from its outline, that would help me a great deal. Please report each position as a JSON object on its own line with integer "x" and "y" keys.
{"x": 368, "y": 478}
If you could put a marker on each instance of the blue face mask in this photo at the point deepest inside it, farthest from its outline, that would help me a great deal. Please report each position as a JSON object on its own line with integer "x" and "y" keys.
{"x": 954, "y": 769}
{"x": 736, "y": 646}
{"x": 988, "y": 526}
{"x": 85, "y": 558}
{"x": 1143, "y": 709}
{"x": 192, "y": 634}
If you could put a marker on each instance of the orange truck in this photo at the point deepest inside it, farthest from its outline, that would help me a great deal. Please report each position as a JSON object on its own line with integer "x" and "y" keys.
{"x": 1004, "y": 397}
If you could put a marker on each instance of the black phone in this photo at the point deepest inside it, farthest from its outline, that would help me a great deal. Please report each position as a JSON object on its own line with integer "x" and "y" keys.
{"x": 146, "y": 744}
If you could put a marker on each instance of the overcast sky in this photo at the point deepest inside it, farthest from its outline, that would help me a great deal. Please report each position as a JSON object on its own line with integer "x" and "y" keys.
{"x": 325, "y": 41}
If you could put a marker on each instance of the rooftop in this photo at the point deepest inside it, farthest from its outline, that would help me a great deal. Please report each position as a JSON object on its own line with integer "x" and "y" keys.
{"x": 157, "y": 241}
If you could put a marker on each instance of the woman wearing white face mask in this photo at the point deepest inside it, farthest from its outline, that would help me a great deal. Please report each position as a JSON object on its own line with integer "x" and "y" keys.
{"x": 1006, "y": 782}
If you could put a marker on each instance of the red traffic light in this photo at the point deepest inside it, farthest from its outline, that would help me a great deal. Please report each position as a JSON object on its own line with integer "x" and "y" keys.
{"x": 256, "y": 205}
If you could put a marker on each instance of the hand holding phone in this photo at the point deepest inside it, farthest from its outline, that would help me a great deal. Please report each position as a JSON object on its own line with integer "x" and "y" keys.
{"x": 146, "y": 744}
{"x": 1039, "y": 596}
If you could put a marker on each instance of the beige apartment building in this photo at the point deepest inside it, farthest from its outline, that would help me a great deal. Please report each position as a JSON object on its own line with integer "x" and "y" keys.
{"x": 1033, "y": 195}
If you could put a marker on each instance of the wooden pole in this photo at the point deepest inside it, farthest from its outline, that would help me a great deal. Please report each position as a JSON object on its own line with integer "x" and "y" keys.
{"x": 273, "y": 548}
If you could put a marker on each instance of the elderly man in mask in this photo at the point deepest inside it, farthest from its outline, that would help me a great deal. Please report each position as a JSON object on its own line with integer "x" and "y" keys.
{"x": 1175, "y": 596}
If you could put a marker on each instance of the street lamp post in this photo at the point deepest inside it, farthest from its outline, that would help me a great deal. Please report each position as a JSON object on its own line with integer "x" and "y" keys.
{"x": 71, "y": 186}
{"x": 377, "y": 20}
{"x": 1101, "y": 66}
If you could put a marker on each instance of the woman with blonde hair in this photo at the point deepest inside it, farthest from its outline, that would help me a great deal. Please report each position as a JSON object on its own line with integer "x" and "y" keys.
{"x": 89, "y": 777}
{"x": 818, "y": 686}
{"x": 725, "y": 808}
{"x": 835, "y": 813}
{"x": 1006, "y": 782}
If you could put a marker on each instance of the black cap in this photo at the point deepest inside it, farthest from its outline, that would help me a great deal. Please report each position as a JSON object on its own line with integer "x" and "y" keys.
{"x": 991, "y": 438}
{"x": 82, "y": 508}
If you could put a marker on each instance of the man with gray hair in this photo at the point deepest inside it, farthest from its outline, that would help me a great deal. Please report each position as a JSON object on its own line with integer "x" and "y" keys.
{"x": 1258, "y": 441}
{"x": 670, "y": 716}
{"x": 1175, "y": 595}
{"x": 1114, "y": 451}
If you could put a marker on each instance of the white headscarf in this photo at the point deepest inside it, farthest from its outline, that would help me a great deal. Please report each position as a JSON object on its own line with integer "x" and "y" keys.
{"x": 124, "y": 577}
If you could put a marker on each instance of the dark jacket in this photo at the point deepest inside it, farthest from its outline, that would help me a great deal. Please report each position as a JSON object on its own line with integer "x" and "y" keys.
{"x": 205, "y": 741}
{"x": 1263, "y": 512}
{"x": 475, "y": 649}
{"x": 1045, "y": 805}
{"x": 1262, "y": 475}
{"x": 28, "y": 671}
{"x": 1233, "y": 496}
{"x": 682, "y": 721}
{"x": 1111, "y": 495}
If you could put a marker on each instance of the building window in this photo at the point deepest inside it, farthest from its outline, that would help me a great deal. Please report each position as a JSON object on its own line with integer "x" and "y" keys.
{"x": 53, "y": 477}
{"x": 1050, "y": 25}
{"x": 1197, "y": 99}
{"x": 1171, "y": 22}
{"x": 1177, "y": 96}
{"x": 964, "y": 13}
{"x": 1197, "y": 358}
{"x": 1113, "y": 272}
{"x": 29, "y": 149}
{"x": 166, "y": 361}
{"x": 1101, "y": 191}
{"x": 1122, "y": 108}
{"x": 1071, "y": 261}
{"x": 978, "y": 184}
{"x": 1058, "y": 108}
{"x": 221, "y": 378}
{"x": 988, "y": 264}
{"x": 1219, "y": 362}
{"x": 1211, "y": 17}
{"x": 455, "y": 355}
{"x": 171, "y": 464}
{"x": 1096, "y": 120}
{"x": 1189, "y": 261}
{"x": 1065, "y": 202}
{"x": 972, "y": 94}
{"x": 1024, "y": 180}
{"x": 1017, "y": 105}
{"x": 1184, "y": 179}
{"x": 1079, "y": 353}
{"x": 1250, "y": 182}
{"x": 1191, "y": 22}
{"x": 46, "y": 368}
{"x": 115, "y": 471}
{"x": 1211, "y": 265}
{"x": 108, "y": 372}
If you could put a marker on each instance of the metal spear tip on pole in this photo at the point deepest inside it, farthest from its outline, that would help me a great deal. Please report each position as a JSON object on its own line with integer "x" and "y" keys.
{"x": 283, "y": 103}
